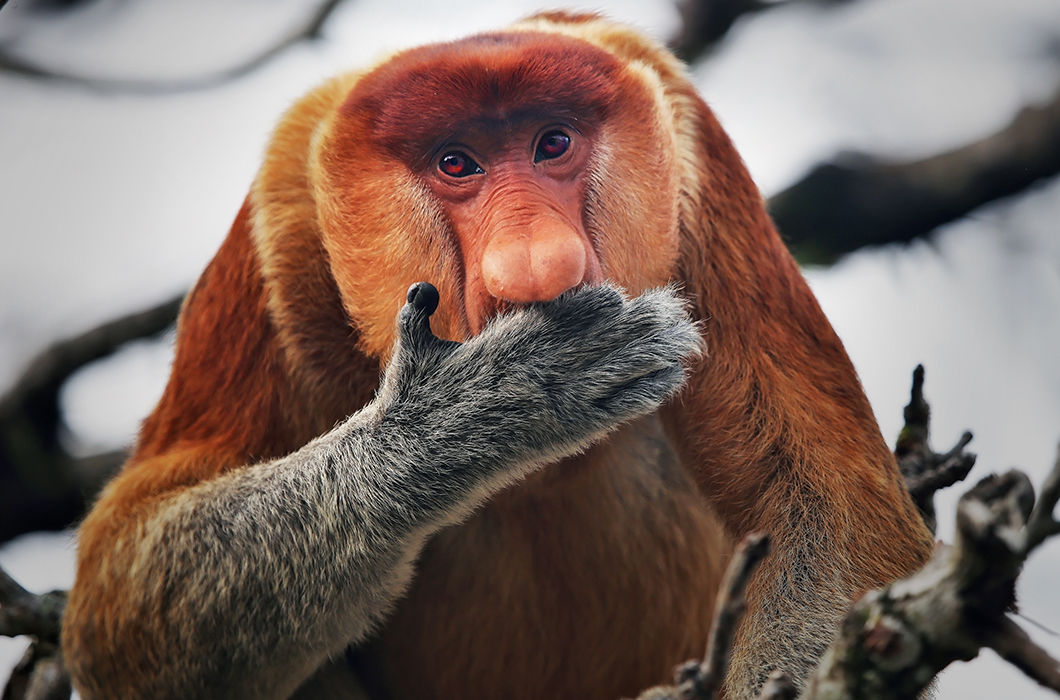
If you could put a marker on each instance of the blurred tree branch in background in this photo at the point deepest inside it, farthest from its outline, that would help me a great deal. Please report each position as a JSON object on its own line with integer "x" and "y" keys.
{"x": 861, "y": 200}
{"x": 42, "y": 486}
{"x": 40, "y": 674}
{"x": 310, "y": 30}
{"x": 704, "y": 23}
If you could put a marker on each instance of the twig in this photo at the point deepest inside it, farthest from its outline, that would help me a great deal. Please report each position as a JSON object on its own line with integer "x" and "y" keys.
{"x": 924, "y": 470}
{"x": 896, "y": 639}
{"x": 731, "y": 605}
{"x": 311, "y": 30}
{"x": 694, "y": 680}
{"x": 945, "y": 469}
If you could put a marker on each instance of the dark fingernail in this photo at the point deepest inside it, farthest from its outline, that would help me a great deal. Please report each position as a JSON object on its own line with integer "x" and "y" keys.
{"x": 424, "y": 296}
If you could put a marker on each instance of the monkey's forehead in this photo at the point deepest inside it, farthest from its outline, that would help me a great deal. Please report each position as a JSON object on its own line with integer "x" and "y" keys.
{"x": 406, "y": 104}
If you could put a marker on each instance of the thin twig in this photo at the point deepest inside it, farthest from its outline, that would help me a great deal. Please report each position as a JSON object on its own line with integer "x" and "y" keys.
{"x": 694, "y": 680}
{"x": 731, "y": 605}
{"x": 925, "y": 471}
{"x": 950, "y": 467}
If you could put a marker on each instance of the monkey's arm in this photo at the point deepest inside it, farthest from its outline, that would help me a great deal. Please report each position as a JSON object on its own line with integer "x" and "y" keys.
{"x": 242, "y": 585}
{"x": 781, "y": 439}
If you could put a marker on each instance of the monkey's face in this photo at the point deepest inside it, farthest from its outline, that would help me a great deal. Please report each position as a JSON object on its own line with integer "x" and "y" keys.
{"x": 505, "y": 169}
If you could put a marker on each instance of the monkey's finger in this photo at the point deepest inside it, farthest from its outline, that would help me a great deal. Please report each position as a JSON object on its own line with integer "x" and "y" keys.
{"x": 663, "y": 315}
{"x": 645, "y": 393}
{"x": 414, "y": 323}
{"x": 423, "y": 296}
{"x": 581, "y": 309}
{"x": 414, "y": 326}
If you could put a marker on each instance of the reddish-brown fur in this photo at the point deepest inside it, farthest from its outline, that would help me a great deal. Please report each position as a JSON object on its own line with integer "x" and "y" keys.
{"x": 597, "y": 575}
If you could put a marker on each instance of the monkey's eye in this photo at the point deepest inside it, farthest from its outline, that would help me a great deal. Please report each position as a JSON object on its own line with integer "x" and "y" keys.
{"x": 552, "y": 145}
{"x": 458, "y": 164}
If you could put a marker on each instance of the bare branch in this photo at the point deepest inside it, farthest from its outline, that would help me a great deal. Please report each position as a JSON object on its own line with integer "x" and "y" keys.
{"x": 702, "y": 681}
{"x": 897, "y": 638}
{"x": 25, "y": 613}
{"x": 1041, "y": 524}
{"x": 1013, "y": 645}
{"x": 924, "y": 470}
{"x": 940, "y": 471}
{"x": 46, "y": 373}
{"x": 39, "y": 675}
{"x": 705, "y": 22}
{"x": 731, "y": 605}
{"x": 42, "y": 486}
{"x": 311, "y": 30}
{"x": 858, "y": 200}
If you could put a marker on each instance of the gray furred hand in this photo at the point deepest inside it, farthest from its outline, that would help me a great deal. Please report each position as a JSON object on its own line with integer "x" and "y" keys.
{"x": 536, "y": 384}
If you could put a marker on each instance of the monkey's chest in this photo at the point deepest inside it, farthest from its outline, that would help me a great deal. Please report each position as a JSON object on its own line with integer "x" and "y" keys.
{"x": 592, "y": 579}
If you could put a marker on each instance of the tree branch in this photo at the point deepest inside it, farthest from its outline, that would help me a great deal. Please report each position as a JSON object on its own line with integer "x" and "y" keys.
{"x": 778, "y": 686}
{"x": 310, "y": 30}
{"x": 705, "y": 22}
{"x": 897, "y": 638}
{"x": 40, "y": 674}
{"x": 25, "y": 613}
{"x": 1013, "y": 645}
{"x": 858, "y": 200}
{"x": 696, "y": 680}
{"x": 1041, "y": 524}
{"x": 42, "y": 486}
{"x": 37, "y": 389}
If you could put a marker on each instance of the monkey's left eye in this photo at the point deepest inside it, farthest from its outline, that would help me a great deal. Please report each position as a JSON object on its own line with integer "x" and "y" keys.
{"x": 552, "y": 145}
{"x": 458, "y": 164}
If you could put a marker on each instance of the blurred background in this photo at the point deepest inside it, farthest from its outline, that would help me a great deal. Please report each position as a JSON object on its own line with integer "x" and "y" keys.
{"x": 909, "y": 150}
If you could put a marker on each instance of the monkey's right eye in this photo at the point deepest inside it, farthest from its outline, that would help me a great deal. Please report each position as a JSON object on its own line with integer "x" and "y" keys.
{"x": 458, "y": 164}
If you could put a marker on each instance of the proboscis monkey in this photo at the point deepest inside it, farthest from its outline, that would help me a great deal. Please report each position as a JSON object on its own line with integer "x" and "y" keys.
{"x": 499, "y": 494}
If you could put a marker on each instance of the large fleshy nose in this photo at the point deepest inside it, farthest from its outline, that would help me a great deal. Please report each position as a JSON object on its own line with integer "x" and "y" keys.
{"x": 534, "y": 263}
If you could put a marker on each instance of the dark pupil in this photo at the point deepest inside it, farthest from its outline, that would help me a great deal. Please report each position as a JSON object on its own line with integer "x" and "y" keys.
{"x": 457, "y": 164}
{"x": 553, "y": 145}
